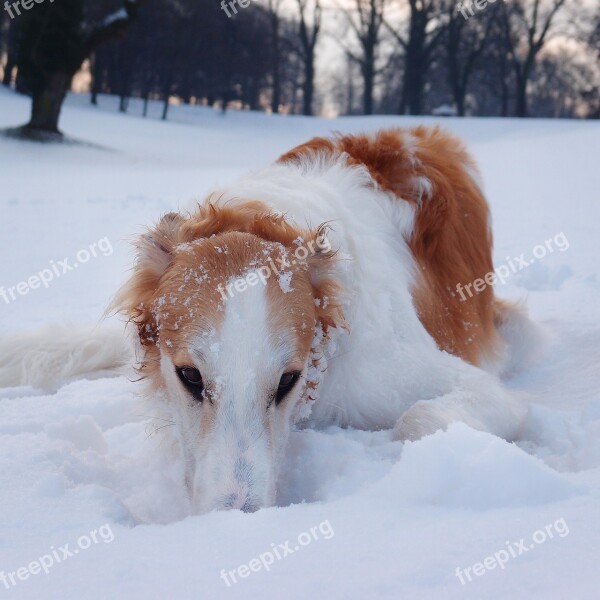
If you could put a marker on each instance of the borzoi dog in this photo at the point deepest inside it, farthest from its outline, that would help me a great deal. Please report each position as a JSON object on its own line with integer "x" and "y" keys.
{"x": 321, "y": 290}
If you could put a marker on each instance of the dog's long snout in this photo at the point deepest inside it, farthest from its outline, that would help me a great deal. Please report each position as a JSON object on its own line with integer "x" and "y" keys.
{"x": 244, "y": 481}
{"x": 237, "y": 470}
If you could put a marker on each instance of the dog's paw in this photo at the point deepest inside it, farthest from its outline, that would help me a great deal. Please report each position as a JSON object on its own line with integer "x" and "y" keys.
{"x": 424, "y": 418}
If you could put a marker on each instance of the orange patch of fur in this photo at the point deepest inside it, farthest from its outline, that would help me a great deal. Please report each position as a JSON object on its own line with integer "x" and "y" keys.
{"x": 451, "y": 242}
{"x": 160, "y": 299}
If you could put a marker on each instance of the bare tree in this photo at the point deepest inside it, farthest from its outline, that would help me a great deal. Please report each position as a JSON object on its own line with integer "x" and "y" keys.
{"x": 527, "y": 24}
{"x": 308, "y": 33}
{"x": 465, "y": 41}
{"x": 592, "y": 94}
{"x": 273, "y": 9}
{"x": 425, "y": 29}
{"x": 366, "y": 21}
{"x": 54, "y": 42}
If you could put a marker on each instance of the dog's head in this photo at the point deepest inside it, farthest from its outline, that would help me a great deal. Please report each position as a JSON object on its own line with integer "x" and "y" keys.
{"x": 227, "y": 302}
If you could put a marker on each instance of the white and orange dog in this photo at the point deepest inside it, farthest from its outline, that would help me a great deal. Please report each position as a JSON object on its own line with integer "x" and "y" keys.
{"x": 320, "y": 290}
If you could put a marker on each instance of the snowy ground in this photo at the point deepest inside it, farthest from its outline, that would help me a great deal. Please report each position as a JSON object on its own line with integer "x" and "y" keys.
{"x": 387, "y": 521}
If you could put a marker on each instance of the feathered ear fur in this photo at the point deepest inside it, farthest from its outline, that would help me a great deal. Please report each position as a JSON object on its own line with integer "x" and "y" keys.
{"x": 154, "y": 254}
{"x": 328, "y": 291}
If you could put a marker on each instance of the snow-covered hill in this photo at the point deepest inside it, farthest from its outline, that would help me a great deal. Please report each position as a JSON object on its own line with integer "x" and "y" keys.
{"x": 460, "y": 514}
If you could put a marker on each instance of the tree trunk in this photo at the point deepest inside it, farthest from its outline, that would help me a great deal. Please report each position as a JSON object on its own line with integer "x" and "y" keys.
{"x": 368, "y": 72}
{"x": 415, "y": 65}
{"x": 350, "y": 88}
{"x": 8, "y": 69}
{"x": 276, "y": 64}
{"x": 96, "y": 80}
{"x": 458, "y": 91}
{"x": 415, "y": 94}
{"x": 276, "y": 96}
{"x": 521, "y": 100}
{"x": 368, "y": 92}
{"x": 402, "y": 105}
{"x": 20, "y": 84}
{"x": 308, "y": 87}
{"x": 459, "y": 99}
{"x": 414, "y": 83}
{"x": 504, "y": 100}
{"x": 11, "y": 55}
{"x": 47, "y": 102}
{"x": 254, "y": 95}
{"x": 165, "y": 107}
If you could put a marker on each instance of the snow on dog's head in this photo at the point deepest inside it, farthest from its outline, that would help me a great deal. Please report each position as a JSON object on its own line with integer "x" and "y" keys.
{"x": 227, "y": 308}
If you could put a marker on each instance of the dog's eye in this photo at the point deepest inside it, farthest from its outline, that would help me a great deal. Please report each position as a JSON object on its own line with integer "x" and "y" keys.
{"x": 191, "y": 378}
{"x": 191, "y": 375}
{"x": 286, "y": 383}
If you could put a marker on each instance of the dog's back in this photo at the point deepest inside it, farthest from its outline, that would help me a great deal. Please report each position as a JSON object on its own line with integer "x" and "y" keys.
{"x": 451, "y": 239}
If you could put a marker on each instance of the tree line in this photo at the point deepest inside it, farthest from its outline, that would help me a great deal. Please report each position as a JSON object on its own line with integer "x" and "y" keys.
{"x": 478, "y": 57}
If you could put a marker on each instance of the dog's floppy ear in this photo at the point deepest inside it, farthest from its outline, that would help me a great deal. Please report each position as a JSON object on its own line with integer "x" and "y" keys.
{"x": 328, "y": 291}
{"x": 154, "y": 254}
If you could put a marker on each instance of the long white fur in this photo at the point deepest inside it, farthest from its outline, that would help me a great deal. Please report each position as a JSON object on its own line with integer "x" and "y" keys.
{"x": 48, "y": 357}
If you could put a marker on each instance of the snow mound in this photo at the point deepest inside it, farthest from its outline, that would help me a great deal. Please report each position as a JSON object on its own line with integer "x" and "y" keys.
{"x": 468, "y": 469}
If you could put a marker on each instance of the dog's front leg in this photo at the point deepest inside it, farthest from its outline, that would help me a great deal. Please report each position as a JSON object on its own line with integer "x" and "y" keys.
{"x": 477, "y": 400}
